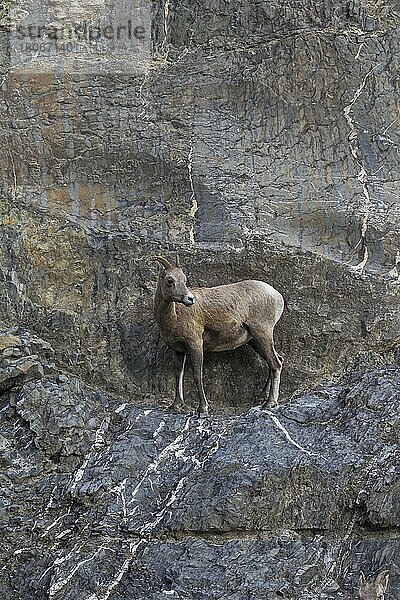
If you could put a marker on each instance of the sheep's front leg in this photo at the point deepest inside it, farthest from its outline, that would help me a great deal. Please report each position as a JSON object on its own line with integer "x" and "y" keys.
{"x": 196, "y": 358}
{"x": 180, "y": 360}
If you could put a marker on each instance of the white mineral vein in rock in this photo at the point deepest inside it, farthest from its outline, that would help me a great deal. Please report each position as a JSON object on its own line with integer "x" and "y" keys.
{"x": 159, "y": 429}
{"x": 148, "y": 527}
{"x": 194, "y": 205}
{"x": 166, "y": 13}
{"x": 58, "y": 585}
{"x": 362, "y": 174}
{"x": 124, "y": 568}
{"x": 120, "y": 490}
{"x": 46, "y": 531}
{"x": 289, "y": 437}
{"x": 97, "y": 442}
{"x": 165, "y": 453}
{"x": 50, "y": 502}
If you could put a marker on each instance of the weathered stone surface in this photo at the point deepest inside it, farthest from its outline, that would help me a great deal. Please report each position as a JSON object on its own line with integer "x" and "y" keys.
{"x": 101, "y": 323}
{"x": 116, "y": 501}
{"x": 18, "y": 359}
{"x": 260, "y": 140}
{"x": 64, "y": 420}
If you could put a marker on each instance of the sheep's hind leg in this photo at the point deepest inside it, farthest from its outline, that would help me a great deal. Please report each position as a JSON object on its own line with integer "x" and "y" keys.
{"x": 262, "y": 342}
{"x": 265, "y": 391}
{"x": 260, "y": 398}
{"x": 180, "y": 360}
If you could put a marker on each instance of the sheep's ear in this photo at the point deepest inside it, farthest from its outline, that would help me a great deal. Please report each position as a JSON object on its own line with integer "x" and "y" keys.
{"x": 383, "y": 580}
{"x": 362, "y": 578}
{"x": 164, "y": 262}
{"x": 177, "y": 262}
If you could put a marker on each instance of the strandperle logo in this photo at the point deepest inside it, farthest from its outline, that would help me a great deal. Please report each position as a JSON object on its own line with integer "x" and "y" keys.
{"x": 109, "y": 37}
{"x": 81, "y": 31}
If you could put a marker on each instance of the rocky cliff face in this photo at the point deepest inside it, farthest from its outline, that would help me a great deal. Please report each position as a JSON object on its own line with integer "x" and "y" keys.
{"x": 108, "y": 499}
{"x": 259, "y": 139}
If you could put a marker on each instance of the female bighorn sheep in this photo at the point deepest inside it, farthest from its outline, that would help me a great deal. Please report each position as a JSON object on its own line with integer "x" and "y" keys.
{"x": 193, "y": 321}
{"x": 374, "y": 590}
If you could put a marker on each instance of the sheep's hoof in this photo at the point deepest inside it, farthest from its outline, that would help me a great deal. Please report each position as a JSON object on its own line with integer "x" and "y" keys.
{"x": 267, "y": 405}
{"x": 203, "y": 414}
{"x": 258, "y": 401}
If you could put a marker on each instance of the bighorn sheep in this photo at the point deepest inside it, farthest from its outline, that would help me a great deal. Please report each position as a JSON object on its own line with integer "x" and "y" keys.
{"x": 193, "y": 321}
{"x": 374, "y": 590}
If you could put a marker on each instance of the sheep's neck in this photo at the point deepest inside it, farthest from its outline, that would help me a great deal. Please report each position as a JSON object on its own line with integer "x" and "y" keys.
{"x": 164, "y": 310}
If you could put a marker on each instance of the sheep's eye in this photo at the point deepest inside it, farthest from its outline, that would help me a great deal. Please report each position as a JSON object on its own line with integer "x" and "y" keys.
{"x": 170, "y": 283}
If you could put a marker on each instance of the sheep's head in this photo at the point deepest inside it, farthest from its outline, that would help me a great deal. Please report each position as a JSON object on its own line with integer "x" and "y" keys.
{"x": 374, "y": 590}
{"x": 172, "y": 282}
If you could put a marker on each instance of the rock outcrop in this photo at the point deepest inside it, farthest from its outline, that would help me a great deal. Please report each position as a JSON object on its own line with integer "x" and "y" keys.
{"x": 103, "y": 499}
{"x": 259, "y": 139}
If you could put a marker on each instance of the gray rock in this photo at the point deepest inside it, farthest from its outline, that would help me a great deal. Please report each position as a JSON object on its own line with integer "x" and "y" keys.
{"x": 278, "y": 160}
{"x": 19, "y": 362}
{"x": 259, "y": 139}
{"x": 122, "y": 501}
